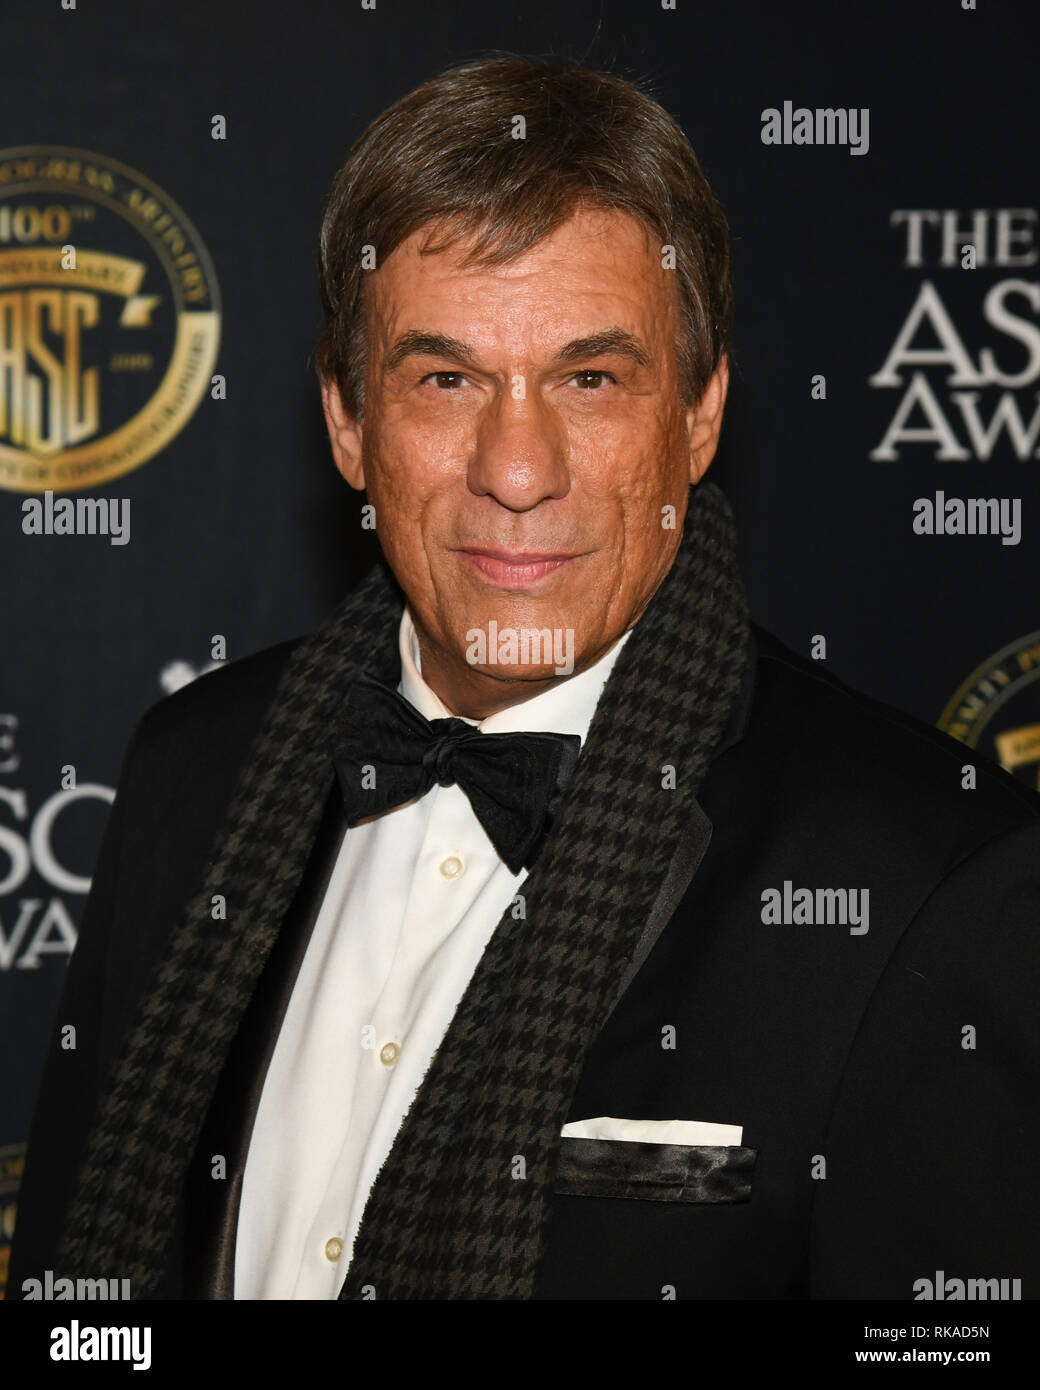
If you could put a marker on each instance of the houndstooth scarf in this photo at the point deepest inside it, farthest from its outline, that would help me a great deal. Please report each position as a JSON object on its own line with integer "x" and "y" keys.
{"x": 446, "y": 1217}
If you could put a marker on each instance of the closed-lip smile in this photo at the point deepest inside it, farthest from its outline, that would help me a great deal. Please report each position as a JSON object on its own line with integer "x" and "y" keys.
{"x": 515, "y": 569}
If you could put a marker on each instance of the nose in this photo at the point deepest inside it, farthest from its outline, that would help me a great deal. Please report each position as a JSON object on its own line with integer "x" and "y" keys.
{"x": 519, "y": 457}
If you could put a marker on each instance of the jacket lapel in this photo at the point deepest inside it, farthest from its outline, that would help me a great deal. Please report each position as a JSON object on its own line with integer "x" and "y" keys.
{"x": 693, "y": 844}
{"x": 212, "y": 1204}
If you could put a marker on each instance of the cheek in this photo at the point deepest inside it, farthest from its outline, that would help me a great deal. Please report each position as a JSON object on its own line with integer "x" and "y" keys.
{"x": 415, "y": 458}
{"x": 632, "y": 458}
{"x": 409, "y": 485}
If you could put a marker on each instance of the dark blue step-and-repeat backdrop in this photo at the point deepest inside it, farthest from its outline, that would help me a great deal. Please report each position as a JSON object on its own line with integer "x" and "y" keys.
{"x": 167, "y": 496}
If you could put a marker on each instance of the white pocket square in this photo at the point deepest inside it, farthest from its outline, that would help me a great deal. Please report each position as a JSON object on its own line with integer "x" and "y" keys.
{"x": 655, "y": 1131}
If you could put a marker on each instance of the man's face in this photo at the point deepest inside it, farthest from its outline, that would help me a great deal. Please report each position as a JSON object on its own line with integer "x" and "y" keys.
{"x": 523, "y": 441}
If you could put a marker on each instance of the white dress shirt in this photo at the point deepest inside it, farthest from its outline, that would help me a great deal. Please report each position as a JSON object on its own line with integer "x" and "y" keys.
{"x": 414, "y": 898}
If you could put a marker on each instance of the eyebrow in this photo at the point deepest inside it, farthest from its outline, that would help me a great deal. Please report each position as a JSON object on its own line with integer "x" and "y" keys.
{"x": 418, "y": 343}
{"x": 612, "y": 340}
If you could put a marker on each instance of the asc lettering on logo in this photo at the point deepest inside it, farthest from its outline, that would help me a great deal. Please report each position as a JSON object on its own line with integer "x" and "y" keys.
{"x": 973, "y": 420}
{"x": 39, "y": 925}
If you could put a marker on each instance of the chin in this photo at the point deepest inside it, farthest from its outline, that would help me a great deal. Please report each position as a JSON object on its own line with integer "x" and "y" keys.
{"x": 534, "y": 648}
{"x": 517, "y": 675}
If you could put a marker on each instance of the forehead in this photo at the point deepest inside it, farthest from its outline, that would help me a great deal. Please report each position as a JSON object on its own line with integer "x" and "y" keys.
{"x": 598, "y": 268}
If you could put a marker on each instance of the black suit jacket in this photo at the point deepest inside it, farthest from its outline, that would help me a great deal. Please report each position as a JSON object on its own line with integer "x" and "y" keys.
{"x": 886, "y": 1081}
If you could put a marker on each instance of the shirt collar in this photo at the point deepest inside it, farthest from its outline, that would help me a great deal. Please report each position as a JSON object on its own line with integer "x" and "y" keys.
{"x": 565, "y": 708}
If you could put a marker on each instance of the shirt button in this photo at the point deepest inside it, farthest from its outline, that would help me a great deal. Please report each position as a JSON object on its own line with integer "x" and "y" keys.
{"x": 389, "y": 1053}
{"x": 333, "y": 1249}
{"x": 452, "y": 867}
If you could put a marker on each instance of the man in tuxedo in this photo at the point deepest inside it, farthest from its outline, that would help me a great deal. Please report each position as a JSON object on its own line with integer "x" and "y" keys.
{"x": 540, "y": 927}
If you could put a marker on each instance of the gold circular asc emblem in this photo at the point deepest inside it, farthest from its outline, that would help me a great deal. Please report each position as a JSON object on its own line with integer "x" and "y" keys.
{"x": 109, "y": 319}
{"x": 997, "y": 709}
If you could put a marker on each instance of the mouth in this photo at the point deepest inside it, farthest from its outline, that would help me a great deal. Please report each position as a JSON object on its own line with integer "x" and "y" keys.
{"x": 516, "y": 569}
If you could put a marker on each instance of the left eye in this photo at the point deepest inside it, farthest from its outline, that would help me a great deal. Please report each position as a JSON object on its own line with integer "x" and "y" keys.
{"x": 590, "y": 380}
{"x": 447, "y": 381}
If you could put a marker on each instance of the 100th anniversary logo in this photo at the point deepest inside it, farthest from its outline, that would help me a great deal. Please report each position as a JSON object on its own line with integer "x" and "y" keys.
{"x": 997, "y": 709}
{"x": 109, "y": 319}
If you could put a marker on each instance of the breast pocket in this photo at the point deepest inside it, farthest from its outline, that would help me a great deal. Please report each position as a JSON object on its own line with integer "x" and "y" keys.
{"x": 654, "y": 1172}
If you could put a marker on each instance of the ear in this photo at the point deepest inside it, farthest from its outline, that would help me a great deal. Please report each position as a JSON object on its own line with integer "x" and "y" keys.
{"x": 704, "y": 421}
{"x": 344, "y": 435}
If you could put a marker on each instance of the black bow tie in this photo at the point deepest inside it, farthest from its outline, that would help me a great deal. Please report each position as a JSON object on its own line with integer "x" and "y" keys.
{"x": 387, "y": 754}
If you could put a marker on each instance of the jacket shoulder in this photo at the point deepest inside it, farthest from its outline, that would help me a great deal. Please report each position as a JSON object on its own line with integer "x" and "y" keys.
{"x": 220, "y": 710}
{"x": 186, "y": 754}
{"x": 862, "y": 750}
